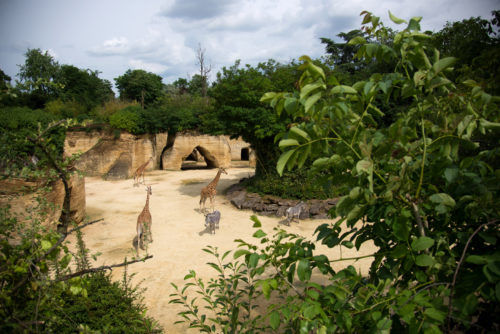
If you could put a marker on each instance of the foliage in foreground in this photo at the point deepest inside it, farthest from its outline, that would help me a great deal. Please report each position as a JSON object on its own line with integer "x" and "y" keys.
{"x": 424, "y": 190}
{"x": 47, "y": 288}
{"x": 44, "y": 286}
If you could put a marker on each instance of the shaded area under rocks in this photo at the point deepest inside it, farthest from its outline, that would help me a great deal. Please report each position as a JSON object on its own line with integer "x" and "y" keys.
{"x": 268, "y": 205}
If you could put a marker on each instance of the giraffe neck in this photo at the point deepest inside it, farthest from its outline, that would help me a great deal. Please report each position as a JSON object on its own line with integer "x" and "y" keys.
{"x": 146, "y": 207}
{"x": 216, "y": 179}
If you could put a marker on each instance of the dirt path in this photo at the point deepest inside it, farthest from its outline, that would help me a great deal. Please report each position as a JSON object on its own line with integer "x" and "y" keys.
{"x": 178, "y": 231}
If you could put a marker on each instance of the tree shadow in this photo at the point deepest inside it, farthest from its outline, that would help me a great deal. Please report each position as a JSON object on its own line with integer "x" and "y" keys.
{"x": 193, "y": 187}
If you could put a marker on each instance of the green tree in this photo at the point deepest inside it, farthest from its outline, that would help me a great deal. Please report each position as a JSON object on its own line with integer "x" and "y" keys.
{"x": 239, "y": 112}
{"x": 475, "y": 42}
{"x": 84, "y": 87}
{"x": 144, "y": 87}
{"x": 38, "y": 74}
{"x": 423, "y": 189}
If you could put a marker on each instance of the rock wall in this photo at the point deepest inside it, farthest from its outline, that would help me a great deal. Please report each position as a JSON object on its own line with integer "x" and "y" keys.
{"x": 114, "y": 158}
{"x": 275, "y": 206}
{"x": 102, "y": 154}
{"x": 21, "y": 196}
{"x": 215, "y": 150}
{"x": 238, "y": 146}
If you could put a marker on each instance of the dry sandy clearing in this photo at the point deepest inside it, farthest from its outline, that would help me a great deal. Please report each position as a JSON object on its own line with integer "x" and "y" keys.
{"x": 178, "y": 231}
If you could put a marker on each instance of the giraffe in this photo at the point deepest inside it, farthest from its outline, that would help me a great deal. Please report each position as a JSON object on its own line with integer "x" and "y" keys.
{"x": 144, "y": 223}
{"x": 209, "y": 191}
{"x": 140, "y": 171}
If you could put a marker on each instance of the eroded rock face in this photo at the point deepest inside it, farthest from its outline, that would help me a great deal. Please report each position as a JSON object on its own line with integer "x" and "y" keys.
{"x": 103, "y": 154}
{"x": 215, "y": 150}
{"x": 22, "y": 196}
{"x": 275, "y": 206}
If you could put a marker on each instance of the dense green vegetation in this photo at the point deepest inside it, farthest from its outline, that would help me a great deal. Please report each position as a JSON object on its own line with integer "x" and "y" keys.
{"x": 421, "y": 185}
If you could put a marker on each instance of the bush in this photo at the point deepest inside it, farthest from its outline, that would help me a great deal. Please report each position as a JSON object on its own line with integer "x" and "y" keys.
{"x": 104, "y": 112}
{"x": 297, "y": 184}
{"x": 128, "y": 119}
{"x": 109, "y": 307}
{"x": 65, "y": 109}
{"x": 16, "y": 125}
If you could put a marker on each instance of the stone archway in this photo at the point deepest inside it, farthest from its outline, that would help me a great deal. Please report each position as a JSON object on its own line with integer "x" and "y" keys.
{"x": 214, "y": 149}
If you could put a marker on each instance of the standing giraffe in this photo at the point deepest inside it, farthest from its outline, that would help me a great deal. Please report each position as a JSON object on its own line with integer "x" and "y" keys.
{"x": 209, "y": 191}
{"x": 144, "y": 223}
{"x": 140, "y": 171}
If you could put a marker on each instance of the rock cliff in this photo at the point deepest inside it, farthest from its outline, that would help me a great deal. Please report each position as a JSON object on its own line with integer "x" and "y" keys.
{"x": 25, "y": 197}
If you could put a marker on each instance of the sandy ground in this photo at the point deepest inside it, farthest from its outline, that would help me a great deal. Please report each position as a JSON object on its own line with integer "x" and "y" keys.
{"x": 178, "y": 231}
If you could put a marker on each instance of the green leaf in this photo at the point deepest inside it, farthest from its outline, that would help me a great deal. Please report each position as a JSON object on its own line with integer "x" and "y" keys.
{"x": 240, "y": 252}
{"x": 268, "y": 97}
{"x": 46, "y": 245}
{"x": 357, "y": 40}
{"x": 399, "y": 251}
{"x": 282, "y": 161}
{"x": 435, "y": 314}
{"x": 301, "y": 133}
{"x": 311, "y": 101}
{"x": 274, "y": 319}
{"x": 422, "y": 243}
{"x": 304, "y": 270}
{"x": 288, "y": 142}
{"x": 259, "y": 234}
{"x": 476, "y": 259}
{"x": 291, "y": 105}
{"x": 364, "y": 166}
{"x": 443, "y": 64}
{"x": 442, "y": 198}
{"x": 424, "y": 260}
{"x": 320, "y": 162}
{"x": 384, "y": 324}
{"x": 450, "y": 174}
{"x": 310, "y": 311}
{"x": 75, "y": 289}
{"x": 256, "y": 221}
{"x": 414, "y": 24}
{"x": 396, "y": 19}
{"x": 253, "y": 260}
{"x": 400, "y": 228}
{"x": 343, "y": 89}
{"x": 307, "y": 89}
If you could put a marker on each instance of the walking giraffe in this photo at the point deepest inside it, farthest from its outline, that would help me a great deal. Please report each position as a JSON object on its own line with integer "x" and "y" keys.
{"x": 140, "y": 171}
{"x": 144, "y": 222}
{"x": 209, "y": 191}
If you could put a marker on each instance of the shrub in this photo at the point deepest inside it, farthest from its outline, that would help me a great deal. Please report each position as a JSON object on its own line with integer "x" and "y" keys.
{"x": 65, "y": 109}
{"x": 128, "y": 119}
{"x": 16, "y": 125}
{"x": 104, "y": 112}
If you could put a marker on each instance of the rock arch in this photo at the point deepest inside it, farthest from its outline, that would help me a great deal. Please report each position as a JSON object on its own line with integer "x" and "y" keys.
{"x": 214, "y": 149}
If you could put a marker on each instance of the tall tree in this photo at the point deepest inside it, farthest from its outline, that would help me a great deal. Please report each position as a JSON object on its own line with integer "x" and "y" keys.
{"x": 204, "y": 69}
{"x": 37, "y": 76}
{"x": 239, "y": 112}
{"x": 84, "y": 86}
{"x": 144, "y": 87}
{"x": 475, "y": 42}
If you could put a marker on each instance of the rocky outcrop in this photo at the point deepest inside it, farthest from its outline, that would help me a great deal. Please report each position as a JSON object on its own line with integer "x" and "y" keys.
{"x": 27, "y": 198}
{"x": 215, "y": 150}
{"x": 114, "y": 157}
{"x": 275, "y": 206}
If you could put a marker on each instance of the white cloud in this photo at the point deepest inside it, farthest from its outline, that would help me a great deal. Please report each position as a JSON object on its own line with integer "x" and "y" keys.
{"x": 150, "y": 67}
{"x": 114, "y": 46}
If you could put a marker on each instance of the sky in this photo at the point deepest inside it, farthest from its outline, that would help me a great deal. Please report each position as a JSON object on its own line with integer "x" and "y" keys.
{"x": 162, "y": 36}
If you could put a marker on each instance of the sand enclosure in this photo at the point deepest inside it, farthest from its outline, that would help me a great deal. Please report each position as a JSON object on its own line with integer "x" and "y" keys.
{"x": 178, "y": 231}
